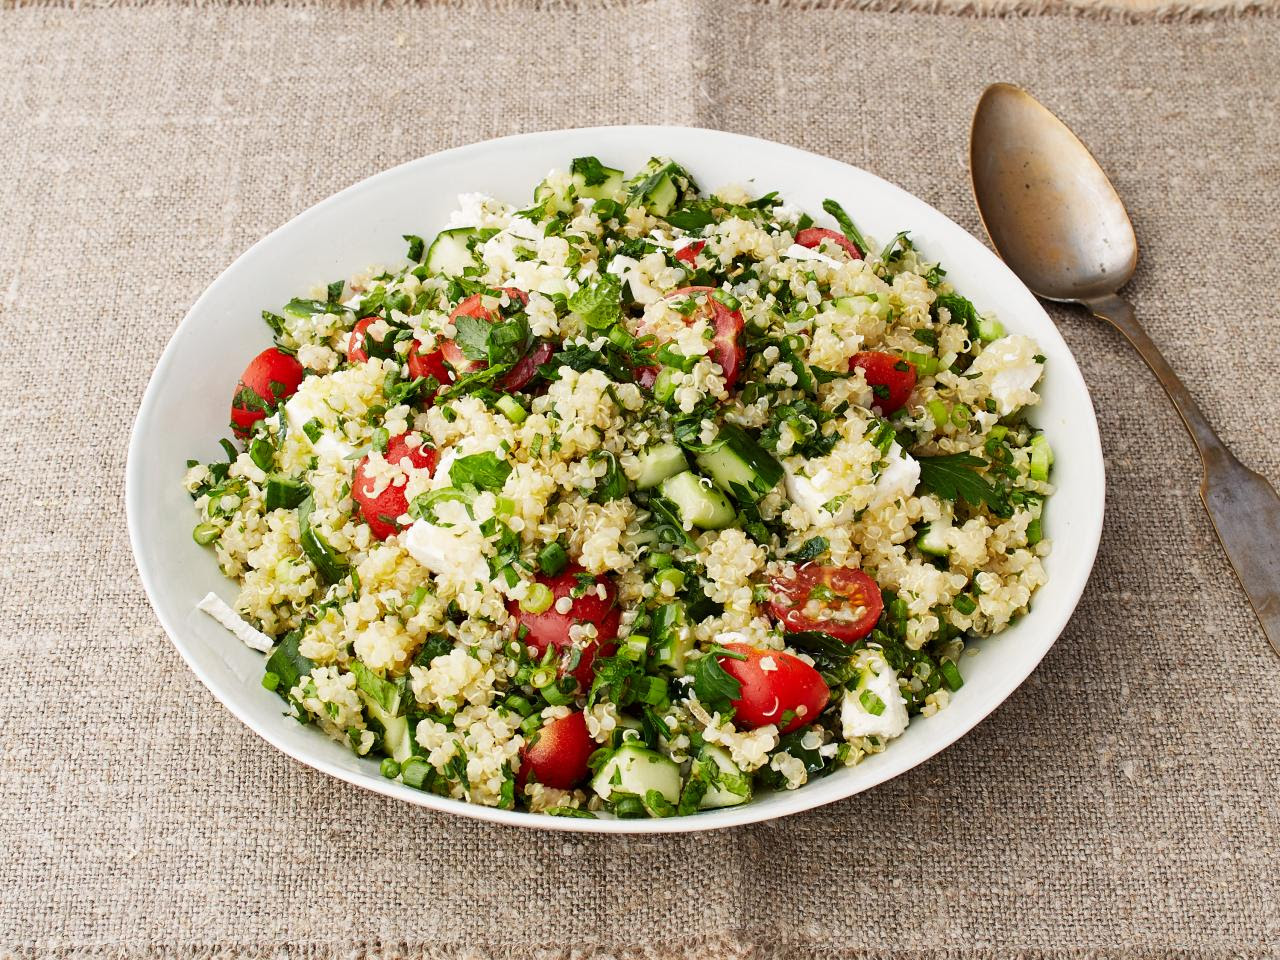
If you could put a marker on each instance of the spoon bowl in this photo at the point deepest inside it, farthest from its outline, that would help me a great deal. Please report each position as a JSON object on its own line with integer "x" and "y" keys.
{"x": 1048, "y": 207}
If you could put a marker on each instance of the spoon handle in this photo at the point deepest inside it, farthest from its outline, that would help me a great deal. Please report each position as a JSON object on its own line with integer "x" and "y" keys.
{"x": 1243, "y": 506}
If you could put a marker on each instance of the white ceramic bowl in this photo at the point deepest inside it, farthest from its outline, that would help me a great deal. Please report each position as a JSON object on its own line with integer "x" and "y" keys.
{"x": 185, "y": 411}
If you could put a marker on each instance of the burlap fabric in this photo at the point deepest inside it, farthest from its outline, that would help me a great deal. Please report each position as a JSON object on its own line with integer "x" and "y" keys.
{"x": 1121, "y": 803}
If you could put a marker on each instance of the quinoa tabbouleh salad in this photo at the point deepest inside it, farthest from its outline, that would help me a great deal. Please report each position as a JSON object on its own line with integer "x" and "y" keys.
{"x": 632, "y": 502}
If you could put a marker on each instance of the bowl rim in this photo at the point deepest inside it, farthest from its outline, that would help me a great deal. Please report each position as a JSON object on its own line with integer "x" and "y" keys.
{"x": 797, "y": 801}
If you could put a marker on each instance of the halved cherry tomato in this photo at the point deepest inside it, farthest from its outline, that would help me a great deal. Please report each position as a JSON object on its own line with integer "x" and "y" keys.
{"x": 838, "y": 601}
{"x": 812, "y": 238}
{"x": 527, "y": 367}
{"x": 557, "y": 755}
{"x": 382, "y": 511}
{"x": 551, "y": 628}
{"x": 690, "y": 252}
{"x": 270, "y": 377}
{"x": 777, "y": 688}
{"x": 891, "y": 378}
{"x": 428, "y": 365}
{"x": 726, "y": 346}
{"x": 647, "y": 376}
{"x": 356, "y": 352}
{"x": 517, "y": 376}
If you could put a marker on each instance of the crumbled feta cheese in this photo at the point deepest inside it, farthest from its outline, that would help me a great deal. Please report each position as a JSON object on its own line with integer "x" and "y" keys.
{"x": 797, "y": 252}
{"x": 880, "y": 679}
{"x": 217, "y": 608}
{"x": 454, "y": 552}
{"x": 898, "y": 479}
{"x": 1009, "y": 370}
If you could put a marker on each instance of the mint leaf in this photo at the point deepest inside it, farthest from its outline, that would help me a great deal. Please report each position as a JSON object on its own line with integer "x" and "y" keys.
{"x": 961, "y": 310}
{"x": 482, "y": 470}
{"x": 416, "y": 247}
{"x": 599, "y": 305}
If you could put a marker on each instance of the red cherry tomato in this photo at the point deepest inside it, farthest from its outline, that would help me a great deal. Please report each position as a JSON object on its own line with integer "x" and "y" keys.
{"x": 381, "y": 512}
{"x": 835, "y": 600}
{"x": 786, "y": 691}
{"x": 527, "y": 367}
{"x": 356, "y": 352}
{"x": 726, "y": 346}
{"x": 428, "y": 365}
{"x": 690, "y": 253}
{"x": 557, "y": 755}
{"x": 647, "y": 376}
{"x": 271, "y": 376}
{"x": 812, "y": 238}
{"x": 551, "y": 628}
{"x": 891, "y": 378}
{"x": 517, "y": 376}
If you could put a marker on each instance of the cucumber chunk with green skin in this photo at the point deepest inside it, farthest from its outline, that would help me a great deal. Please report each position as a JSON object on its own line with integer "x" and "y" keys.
{"x": 394, "y": 729}
{"x": 727, "y": 786}
{"x": 698, "y": 501}
{"x": 605, "y": 183}
{"x": 634, "y": 770}
{"x": 449, "y": 254}
{"x": 658, "y": 190}
{"x": 1041, "y": 457}
{"x": 737, "y": 461}
{"x": 284, "y": 493}
{"x": 659, "y": 462}
{"x": 672, "y": 638}
{"x": 932, "y": 540}
{"x": 328, "y": 563}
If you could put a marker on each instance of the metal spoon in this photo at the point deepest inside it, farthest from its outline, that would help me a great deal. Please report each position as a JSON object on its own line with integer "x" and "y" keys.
{"x": 1057, "y": 221}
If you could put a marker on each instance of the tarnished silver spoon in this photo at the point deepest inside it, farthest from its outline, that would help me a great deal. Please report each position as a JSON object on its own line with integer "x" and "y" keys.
{"x": 1057, "y": 221}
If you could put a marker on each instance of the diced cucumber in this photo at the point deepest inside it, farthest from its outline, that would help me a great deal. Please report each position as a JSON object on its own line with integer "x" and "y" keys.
{"x": 327, "y": 561}
{"x": 395, "y": 730}
{"x": 658, "y": 189}
{"x": 728, "y": 785}
{"x": 933, "y": 541}
{"x": 550, "y": 199}
{"x": 698, "y": 501}
{"x": 659, "y": 462}
{"x": 989, "y": 329}
{"x": 449, "y": 254}
{"x": 1041, "y": 457}
{"x": 605, "y": 189}
{"x": 634, "y": 770}
{"x": 740, "y": 462}
{"x": 284, "y": 493}
{"x": 672, "y": 638}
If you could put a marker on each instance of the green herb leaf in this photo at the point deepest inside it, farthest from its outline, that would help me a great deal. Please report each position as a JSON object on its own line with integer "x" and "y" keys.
{"x": 613, "y": 485}
{"x": 590, "y": 169}
{"x": 715, "y": 687}
{"x": 416, "y": 247}
{"x": 472, "y": 337}
{"x": 836, "y": 212}
{"x": 811, "y": 549}
{"x": 482, "y": 470}
{"x": 335, "y": 291}
{"x": 600, "y": 304}
{"x": 956, "y": 477}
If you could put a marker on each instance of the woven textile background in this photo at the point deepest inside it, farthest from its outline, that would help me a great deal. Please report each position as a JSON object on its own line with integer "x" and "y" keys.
{"x": 1123, "y": 802}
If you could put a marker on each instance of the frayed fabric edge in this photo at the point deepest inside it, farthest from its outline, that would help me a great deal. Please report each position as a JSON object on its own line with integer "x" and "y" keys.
{"x": 1104, "y": 10}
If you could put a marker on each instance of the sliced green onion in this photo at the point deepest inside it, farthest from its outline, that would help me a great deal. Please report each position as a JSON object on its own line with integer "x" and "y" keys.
{"x": 1041, "y": 457}
{"x": 635, "y": 647}
{"x": 951, "y": 675}
{"x": 965, "y": 603}
{"x": 660, "y": 561}
{"x": 727, "y": 298}
{"x": 270, "y": 681}
{"x": 871, "y": 703}
{"x": 939, "y": 412}
{"x": 961, "y": 414}
{"x": 925, "y": 365}
{"x": 560, "y": 694}
{"x": 518, "y": 704}
{"x": 510, "y": 408}
{"x": 415, "y": 771}
{"x": 651, "y": 690}
{"x": 664, "y": 387}
{"x": 1035, "y": 533}
{"x": 989, "y": 329}
{"x": 389, "y": 768}
{"x": 629, "y": 808}
{"x": 532, "y": 724}
{"x": 552, "y": 559}
{"x": 504, "y": 506}
{"x": 672, "y": 576}
{"x": 205, "y": 533}
{"x": 998, "y": 432}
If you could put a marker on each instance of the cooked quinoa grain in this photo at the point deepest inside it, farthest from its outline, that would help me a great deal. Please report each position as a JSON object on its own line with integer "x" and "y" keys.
{"x": 630, "y": 502}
